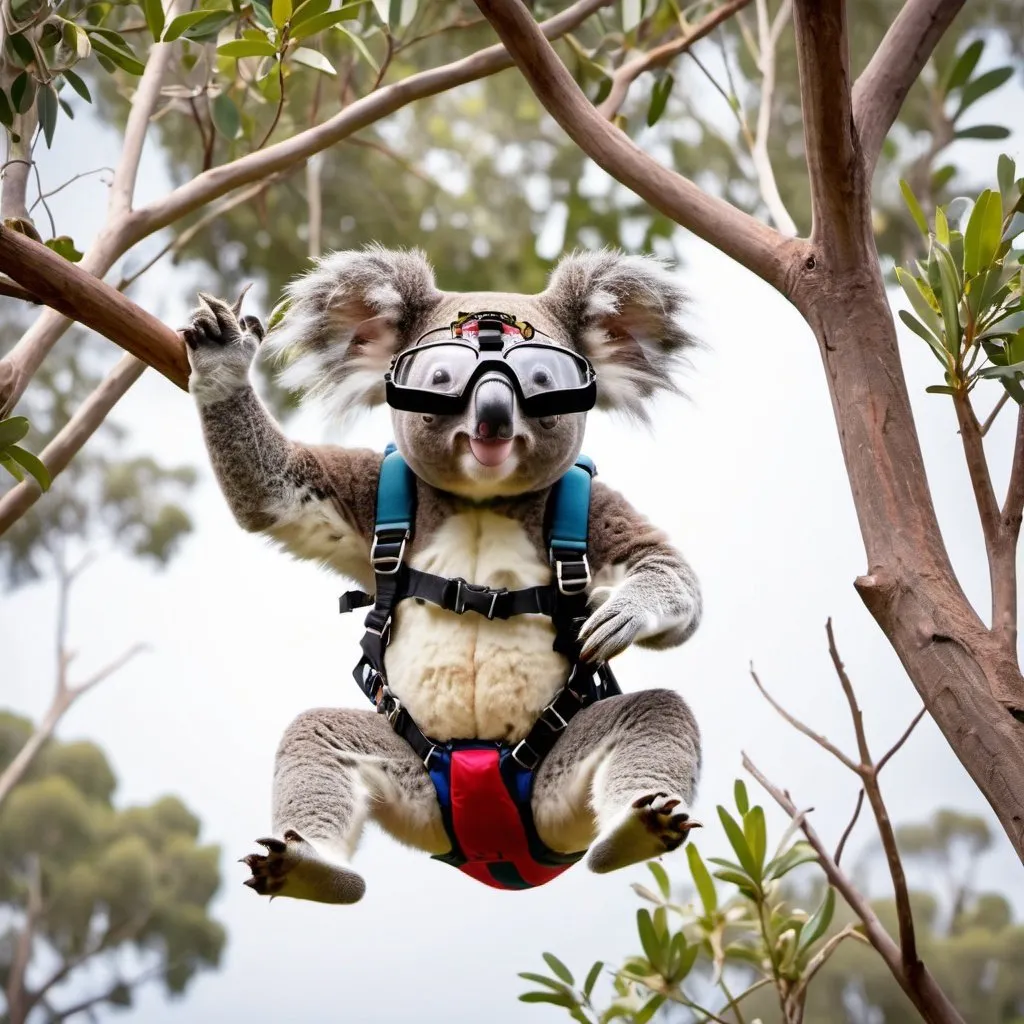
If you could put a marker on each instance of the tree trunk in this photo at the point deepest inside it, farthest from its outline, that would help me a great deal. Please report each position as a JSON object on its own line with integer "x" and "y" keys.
{"x": 970, "y": 685}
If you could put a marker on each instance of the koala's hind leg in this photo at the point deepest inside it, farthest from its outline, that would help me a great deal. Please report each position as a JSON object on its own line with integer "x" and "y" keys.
{"x": 620, "y": 780}
{"x": 335, "y": 767}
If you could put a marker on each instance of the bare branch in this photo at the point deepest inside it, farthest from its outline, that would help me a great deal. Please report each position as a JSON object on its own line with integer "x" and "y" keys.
{"x": 840, "y": 190}
{"x": 977, "y": 467}
{"x": 14, "y": 291}
{"x": 70, "y": 439}
{"x": 1012, "y": 507}
{"x": 108, "y": 670}
{"x": 849, "y": 828}
{"x": 919, "y": 985}
{"x": 881, "y": 88}
{"x": 806, "y": 730}
{"x": 899, "y": 743}
{"x": 629, "y": 72}
{"x": 18, "y": 999}
{"x": 997, "y": 409}
{"x": 851, "y": 699}
{"x": 821, "y": 958}
{"x": 753, "y": 244}
{"x": 768, "y": 37}
{"x": 79, "y": 295}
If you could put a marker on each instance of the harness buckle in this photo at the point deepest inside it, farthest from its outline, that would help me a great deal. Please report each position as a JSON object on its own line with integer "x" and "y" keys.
{"x": 572, "y": 586}
{"x": 464, "y": 591}
{"x": 389, "y": 705}
{"x": 384, "y": 632}
{"x": 393, "y": 561}
{"x": 521, "y": 749}
{"x": 561, "y": 722}
{"x": 430, "y": 753}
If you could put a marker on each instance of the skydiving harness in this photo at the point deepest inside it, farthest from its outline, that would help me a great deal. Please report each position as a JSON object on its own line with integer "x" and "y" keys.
{"x": 484, "y": 788}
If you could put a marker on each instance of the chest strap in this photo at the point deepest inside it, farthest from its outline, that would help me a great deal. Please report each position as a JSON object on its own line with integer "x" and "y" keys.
{"x": 564, "y": 601}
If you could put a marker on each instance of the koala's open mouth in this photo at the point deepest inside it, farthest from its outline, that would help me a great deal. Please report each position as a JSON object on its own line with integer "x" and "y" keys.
{"x": 491, "y": 451}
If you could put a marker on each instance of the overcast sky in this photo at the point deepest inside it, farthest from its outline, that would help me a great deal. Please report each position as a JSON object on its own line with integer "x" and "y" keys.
{"x": 747, "y": 477}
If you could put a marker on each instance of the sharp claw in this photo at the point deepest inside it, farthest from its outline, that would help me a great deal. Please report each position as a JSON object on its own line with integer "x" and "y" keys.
{"x": 685, "y": 826}
{"x": 237, "y": 307}
{"x": 669, "y": 804}
{"x": 273, "y": 845}
{"x": 293, "y": 837}
{"x": 646, "y": 801}
{"x": 251, "y": 882}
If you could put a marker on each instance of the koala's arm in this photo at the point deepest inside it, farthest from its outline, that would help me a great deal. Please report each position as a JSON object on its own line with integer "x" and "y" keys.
{"x": 647, "y": 591}
{"x": 317, "y": 501}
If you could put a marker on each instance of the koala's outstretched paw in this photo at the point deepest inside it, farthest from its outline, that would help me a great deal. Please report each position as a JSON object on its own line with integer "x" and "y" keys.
{"x": 613, "y": 627}
{"x": 292, "y": 866}
{"x": 220, "y": 348}
{"x": 652, "y": 825}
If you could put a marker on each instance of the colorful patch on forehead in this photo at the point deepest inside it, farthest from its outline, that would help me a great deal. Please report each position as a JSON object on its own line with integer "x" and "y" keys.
{"x": 468, "y": 325}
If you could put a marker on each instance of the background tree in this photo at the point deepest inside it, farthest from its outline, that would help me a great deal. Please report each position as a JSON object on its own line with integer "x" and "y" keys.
{"x": 97, "y": 900}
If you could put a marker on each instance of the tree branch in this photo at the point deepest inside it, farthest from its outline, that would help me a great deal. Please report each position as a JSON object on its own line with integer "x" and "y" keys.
{"x": 72, "y": 437}
{"x": 748, "y": 241}
{"x": 977, "y": 467}
{"x": 628, "y": 73}
{"x": 1004, "y": 596}
{"x": 996, "y": 410}
{"x": 849, "y": 828}
{"x": 920, "y": 987}
{"x": 17, "y": 995}
{"x": 840, "y": 188}
{"x": 821, "y": 958}
{"x": 899, "y": 743}
{"x": 881, "y": 88}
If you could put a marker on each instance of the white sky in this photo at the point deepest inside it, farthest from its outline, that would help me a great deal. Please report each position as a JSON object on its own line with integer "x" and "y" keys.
{"x": 748, "y": 479}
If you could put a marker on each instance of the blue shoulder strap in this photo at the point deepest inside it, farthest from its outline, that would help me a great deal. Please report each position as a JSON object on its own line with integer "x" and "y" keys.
{"x": 396, "y": 494}
{"x": 570, "y": 518}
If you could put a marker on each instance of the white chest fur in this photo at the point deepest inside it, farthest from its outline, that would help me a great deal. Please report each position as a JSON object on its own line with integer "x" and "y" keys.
{"x": 462, "y": 676}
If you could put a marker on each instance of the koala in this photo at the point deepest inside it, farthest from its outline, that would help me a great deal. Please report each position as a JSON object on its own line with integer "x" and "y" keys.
{"x": 619, "y": 781}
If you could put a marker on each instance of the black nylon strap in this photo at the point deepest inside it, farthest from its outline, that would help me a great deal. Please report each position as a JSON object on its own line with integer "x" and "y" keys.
{"x": 457, "y": 595}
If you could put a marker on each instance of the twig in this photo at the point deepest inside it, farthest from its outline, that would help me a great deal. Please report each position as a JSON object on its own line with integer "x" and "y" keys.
{"x": 18, "y": 999}
{"x": 881, "y": 88}
{"x": 821, "y": 958}
{"x": 60, "y": 188}
{"x": 280, "y": 105}
{"x": 72, "y": 436}
{"x": 991, "y": 418}
{"x": 739, "y": 235}
{"x": 389, "y": 52}
{"x": 919, "y": 985}
{"x": 14, "y": 291}
{"x": 768, "y": 38}
{"x": 977, "y": 467}
{"x": 629, "y": 72}
{"x": 899, "y": 743}
{"x": 800, "y": 727}
{"x": 849, "y": 828}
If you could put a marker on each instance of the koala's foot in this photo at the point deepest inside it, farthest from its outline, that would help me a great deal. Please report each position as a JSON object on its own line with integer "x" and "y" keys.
{"x": 650, "y": 826}
{"x": 294, "y": 867}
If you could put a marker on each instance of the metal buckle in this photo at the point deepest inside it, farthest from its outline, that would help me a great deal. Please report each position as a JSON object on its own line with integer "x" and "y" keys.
{"x": 384, "y": 632}
{"x": 389, "y": 705}
{"x": 430, "y": 754}
{"x": 519, "y": 761}
{"x": 562, "y": 723}
{"x": 394, "y": 560}
{"x": 578, "y": 586}
{"x": 461, "y": 586}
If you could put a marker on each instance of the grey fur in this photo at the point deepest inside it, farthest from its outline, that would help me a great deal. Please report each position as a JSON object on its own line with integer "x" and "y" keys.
{"x": 622, "y": 768}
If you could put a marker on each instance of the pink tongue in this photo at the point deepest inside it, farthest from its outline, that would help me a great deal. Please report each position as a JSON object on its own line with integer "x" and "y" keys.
{"x": 490, "y": 453}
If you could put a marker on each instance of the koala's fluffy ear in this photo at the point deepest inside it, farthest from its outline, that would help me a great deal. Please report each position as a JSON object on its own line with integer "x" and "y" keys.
{"x": 624, "y": 313}
{"x": 347, "y": 317}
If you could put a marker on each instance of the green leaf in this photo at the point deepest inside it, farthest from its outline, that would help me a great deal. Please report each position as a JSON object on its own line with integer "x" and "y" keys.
{"x": 739, "y": 792}
{"x": 1006, "y": 171}
{"x": 308, "y": 9}
{"x": 312, "y": 59}
{"x": 78, "y": 85}
{"x": 914, "y": 206}
{"x": 659, "y": 98}
{"x": 321, "y": 22}
{"x": 819, "y": 921}
{"x": 64, "y": 246}
{"x": 1012, "y": 371}
{"x": 922, "y": 332}
{"x": 983, "y": 131}
{"x": 964, "y": 65}
{"x": 177, "y": 25}
{"x": 12, "y": 430}
{"x": 801, "y": 852}
{"x": 540, "y": 979}
{"x": 942, "y": 177}
{"x": 982, "y": 86}
{"x": 247, "y": 48}
{"x": 650, "y": 940}
{"x": 23, "y": 92}
{"x": 941, "y": 226}
{"x": 558, "y": 967}
{"x": 47, "y": 108}
{"x": 12, "y": 467}
{"x": 739, "y": 843}
{"x": 949, "y": 299}
{"x": 281, "y": 11}
{"x": 648, "y": 1010}
{"x": 702, "y": 880}
{"x": 564, "y": 999}
{"x": 738, "y": 878}
{"x": 984, "y": 232}
{"x": 154, "y": 12}
{"x": 940, "y": 389}
{"x": 592, "y": 976}
{"x": 225, "y": 116}
{"x": 208, "y": 28}
{"x": 360, "y": 46}
{"x": 31, "y": 464}
{"x": 6, "y": 111}
{"x": 122, "y": 58}
{"x": 660, "y": 877}
{"x": 755, "y": 832}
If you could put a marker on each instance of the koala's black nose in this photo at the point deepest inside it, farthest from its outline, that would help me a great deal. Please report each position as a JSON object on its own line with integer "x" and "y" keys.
{"x": 494, "y": 409}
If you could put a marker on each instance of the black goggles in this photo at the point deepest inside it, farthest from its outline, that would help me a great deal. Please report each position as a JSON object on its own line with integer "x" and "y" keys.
{"x": 438, "y": 376}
